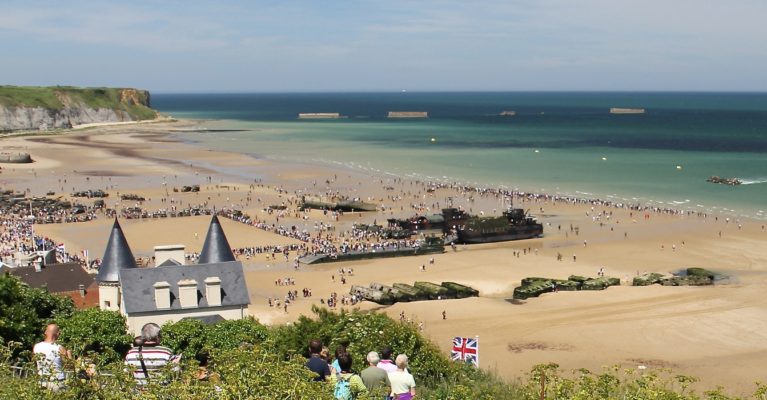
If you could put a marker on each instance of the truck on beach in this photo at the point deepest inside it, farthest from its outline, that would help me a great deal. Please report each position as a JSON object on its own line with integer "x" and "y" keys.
{"x": 461, "y": 227}
{"x": 514, "y": 224}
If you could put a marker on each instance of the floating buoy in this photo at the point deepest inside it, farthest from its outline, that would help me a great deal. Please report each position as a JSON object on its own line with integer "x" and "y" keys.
{"x": 537, "y": 151}
{"x": 678, "y": 167}
{"x": 604, "y": 158}
{"x": 433, "y": 139}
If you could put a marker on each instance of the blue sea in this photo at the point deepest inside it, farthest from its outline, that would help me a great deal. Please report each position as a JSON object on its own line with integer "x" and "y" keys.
{"x": 566, "y": 143}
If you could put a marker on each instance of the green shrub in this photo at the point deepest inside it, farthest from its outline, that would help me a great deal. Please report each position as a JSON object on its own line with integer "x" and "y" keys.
{"x": 25, "y": 311}
{"x": 95, "y": 331}
{"x": 191, "y": 337}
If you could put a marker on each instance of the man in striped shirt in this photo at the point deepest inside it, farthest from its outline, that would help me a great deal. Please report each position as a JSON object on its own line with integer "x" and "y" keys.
{"x": 146, "y": 358}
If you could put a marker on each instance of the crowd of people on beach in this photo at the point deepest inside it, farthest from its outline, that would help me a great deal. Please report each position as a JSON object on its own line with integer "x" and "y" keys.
{"x": 17, "y": 237}
{"x": 322, "y": 242}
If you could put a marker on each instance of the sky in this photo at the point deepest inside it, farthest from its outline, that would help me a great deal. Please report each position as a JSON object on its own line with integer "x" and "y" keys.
{"x": 176, "y": 46}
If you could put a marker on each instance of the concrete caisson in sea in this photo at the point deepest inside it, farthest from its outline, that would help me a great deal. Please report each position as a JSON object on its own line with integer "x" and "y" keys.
{"x": 319, "y": 116}
{"x": 618, "y": 110}
{"x": 408, "y": 114}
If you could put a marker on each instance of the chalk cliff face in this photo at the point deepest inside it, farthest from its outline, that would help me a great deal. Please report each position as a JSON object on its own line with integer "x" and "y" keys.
{"x": 68, "y": 107}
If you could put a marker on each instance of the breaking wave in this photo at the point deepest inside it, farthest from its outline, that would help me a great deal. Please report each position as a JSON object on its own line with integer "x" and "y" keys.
{"x": 753, "y": 181}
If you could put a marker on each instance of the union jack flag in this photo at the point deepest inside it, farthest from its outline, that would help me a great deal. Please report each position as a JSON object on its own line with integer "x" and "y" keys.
{"x": 466, "y": 350}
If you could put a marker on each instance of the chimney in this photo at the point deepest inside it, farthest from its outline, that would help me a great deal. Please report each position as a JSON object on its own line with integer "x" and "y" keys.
{"x": 187, "y": 293}
{"x": 171, "y": 252}
{"x": 162, "y": 295}
{"x": 81, "y": 289}
{"x": 213, "y": 291}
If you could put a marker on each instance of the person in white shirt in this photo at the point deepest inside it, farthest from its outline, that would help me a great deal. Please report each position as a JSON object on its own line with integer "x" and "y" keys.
{"x": 49, "y": 358}
{"x": 402, "y": 383}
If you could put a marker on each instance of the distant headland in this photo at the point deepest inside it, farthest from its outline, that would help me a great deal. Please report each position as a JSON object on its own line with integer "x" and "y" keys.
{"x": 26, "y": 108}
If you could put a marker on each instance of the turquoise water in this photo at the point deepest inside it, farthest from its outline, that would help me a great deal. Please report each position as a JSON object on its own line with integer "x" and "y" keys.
{"x": 564, "y": 143}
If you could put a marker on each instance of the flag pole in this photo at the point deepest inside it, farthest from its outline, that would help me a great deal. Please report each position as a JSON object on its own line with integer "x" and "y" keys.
{"x": 477, "y": 338}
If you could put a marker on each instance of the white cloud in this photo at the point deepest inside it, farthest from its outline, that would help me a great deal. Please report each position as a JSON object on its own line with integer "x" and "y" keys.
{"x": 474, "y": 44}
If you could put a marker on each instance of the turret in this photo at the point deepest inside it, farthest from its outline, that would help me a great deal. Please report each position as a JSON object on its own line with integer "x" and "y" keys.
{"x": 216, "y": 248}
{"x": 117, "y": 255}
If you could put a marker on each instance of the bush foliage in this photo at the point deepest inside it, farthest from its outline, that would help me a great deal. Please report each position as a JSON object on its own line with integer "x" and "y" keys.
{"x": 247, "y": 360}
{"x": 24, "y": 310}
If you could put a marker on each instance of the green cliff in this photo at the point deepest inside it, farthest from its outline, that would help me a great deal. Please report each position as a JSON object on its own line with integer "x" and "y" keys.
{"x": 42, "y": 108}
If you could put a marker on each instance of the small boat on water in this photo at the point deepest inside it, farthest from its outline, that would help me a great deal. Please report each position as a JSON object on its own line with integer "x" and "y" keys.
{"x": 724, "y": 181}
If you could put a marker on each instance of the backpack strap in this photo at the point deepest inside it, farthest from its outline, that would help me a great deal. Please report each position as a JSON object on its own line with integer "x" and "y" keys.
{"x": 348, "y": 378}
{"x": 143, "y": 365}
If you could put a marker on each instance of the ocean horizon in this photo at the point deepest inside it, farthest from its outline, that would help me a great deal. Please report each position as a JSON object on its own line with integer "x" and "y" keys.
{"x": 555, "y": 142}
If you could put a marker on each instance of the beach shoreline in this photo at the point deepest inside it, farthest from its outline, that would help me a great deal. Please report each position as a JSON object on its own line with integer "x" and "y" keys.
{"x": 348, "y": 148}
{"x": 715, "y": 333}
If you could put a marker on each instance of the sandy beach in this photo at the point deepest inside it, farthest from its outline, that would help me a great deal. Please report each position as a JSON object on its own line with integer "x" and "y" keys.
{"x": 718, "y": 334}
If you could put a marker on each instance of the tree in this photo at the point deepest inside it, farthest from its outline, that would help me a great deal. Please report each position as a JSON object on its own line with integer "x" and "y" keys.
{"x": 191, "y": 337}
{"x": 95, "y": 330}
{"x": 185, "y": 337}
{"x": 25, "y": 311}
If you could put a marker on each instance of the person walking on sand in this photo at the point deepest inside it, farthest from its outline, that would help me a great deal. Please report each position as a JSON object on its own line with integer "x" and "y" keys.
{"x": 444, "y": 315}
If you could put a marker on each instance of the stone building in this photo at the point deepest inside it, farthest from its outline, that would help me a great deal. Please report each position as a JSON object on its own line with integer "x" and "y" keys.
{"x": 213, "y": 289}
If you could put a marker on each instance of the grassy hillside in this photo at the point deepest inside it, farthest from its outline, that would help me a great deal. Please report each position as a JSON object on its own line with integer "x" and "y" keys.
{"x": 134, "y": 102}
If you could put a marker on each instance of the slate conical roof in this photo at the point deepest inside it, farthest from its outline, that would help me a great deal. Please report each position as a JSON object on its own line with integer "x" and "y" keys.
{"x": 216, "y": 248}
{"x": 116, "y": 256}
